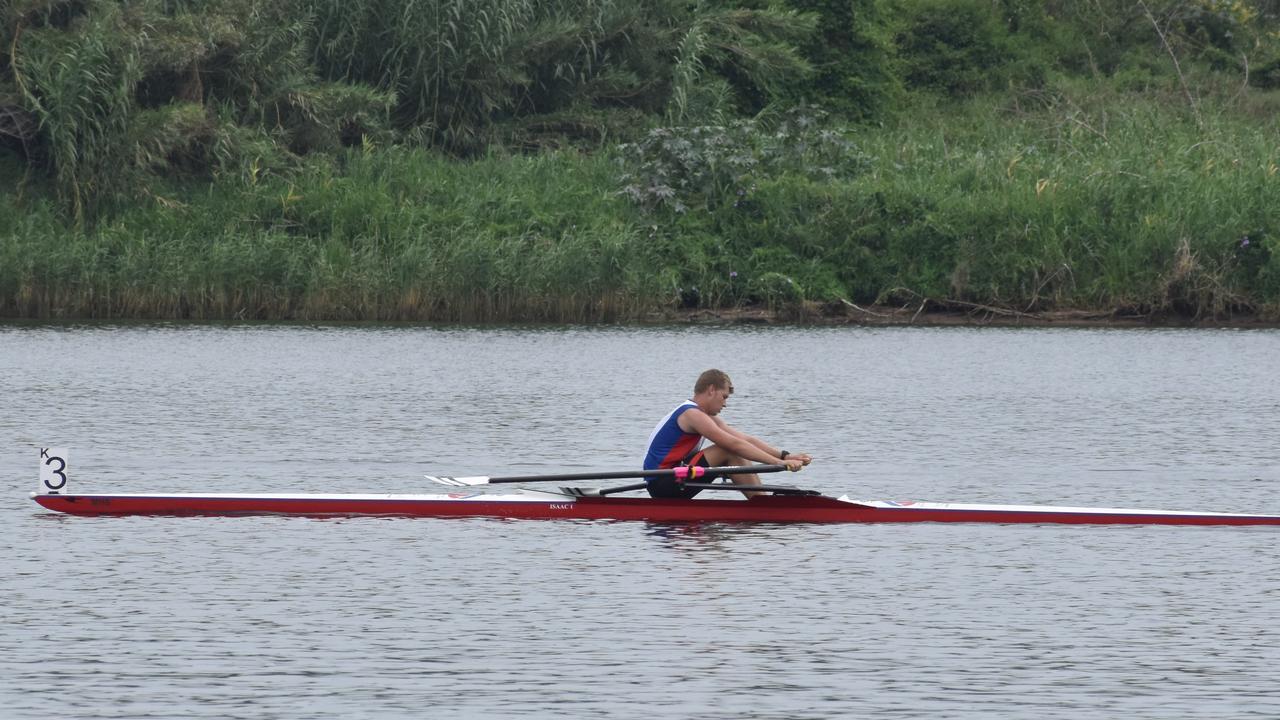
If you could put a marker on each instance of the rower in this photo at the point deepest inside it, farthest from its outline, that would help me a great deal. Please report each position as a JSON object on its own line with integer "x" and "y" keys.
{"x": 678, "y": 440}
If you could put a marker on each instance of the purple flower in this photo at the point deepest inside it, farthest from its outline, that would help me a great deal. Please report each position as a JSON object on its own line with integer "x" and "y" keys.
{"x": 733, "y": 274}
{"x": 1244, "y": 243}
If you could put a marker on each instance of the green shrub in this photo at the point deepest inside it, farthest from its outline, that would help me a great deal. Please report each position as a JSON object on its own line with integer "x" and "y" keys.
{"x": 956, "y": 47}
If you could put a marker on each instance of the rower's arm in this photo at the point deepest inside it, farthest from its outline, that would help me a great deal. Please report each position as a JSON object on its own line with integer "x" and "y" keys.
{"x": 776, "y": 454}
{"x": 718, "y": 432}
{"x": 773, "y": 452}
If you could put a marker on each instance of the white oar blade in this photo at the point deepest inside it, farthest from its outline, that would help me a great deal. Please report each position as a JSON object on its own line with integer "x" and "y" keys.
{"x": 459, "y": 481}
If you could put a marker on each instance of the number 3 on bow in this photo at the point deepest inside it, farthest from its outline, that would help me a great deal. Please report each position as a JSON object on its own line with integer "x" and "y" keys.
{"x": 53, "y": 470}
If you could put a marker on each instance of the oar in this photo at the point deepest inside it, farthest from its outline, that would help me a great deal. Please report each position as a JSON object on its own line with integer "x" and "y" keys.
{"x": 682, "y": 473}
{"x": 774, "y": 489}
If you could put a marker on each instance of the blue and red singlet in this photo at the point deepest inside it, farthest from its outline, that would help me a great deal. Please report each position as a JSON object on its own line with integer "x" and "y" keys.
{"x": 668, "y": 444}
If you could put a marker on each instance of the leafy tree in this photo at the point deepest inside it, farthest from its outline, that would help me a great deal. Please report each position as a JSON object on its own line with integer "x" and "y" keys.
{"x": 953, "y": 46}
{"x": 121, "y": 92}
{"x": 460, "y": 67}
{"x": 1239, "y": 35}
{"x": 853, "y": 56}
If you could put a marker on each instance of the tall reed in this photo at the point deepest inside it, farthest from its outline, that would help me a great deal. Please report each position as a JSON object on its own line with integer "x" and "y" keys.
{"x": 386, "y": 236}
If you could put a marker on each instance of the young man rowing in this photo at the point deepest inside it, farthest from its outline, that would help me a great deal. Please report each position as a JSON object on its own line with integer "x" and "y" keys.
{"x": 678, "y": 440}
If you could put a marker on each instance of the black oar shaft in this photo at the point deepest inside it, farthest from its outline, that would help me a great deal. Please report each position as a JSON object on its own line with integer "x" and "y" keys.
{"x": 671, "y": 472}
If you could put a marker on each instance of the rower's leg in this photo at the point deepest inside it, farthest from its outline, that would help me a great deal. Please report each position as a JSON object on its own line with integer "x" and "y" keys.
{"x": 718, "y": 456}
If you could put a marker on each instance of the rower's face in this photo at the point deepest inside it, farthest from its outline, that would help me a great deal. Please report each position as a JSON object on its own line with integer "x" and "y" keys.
{"x": 720, "y": 398}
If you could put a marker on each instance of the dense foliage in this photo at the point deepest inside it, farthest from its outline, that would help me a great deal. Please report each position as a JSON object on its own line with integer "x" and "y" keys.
{"x": 345, "y": 159}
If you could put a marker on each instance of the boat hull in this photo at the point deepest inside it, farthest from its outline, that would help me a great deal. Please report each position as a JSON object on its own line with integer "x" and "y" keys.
{"x": 552, "y": 506}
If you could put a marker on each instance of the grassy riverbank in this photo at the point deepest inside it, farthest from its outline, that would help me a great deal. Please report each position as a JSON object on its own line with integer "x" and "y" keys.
{"x": 392, "y": 234}
{"x": 1075, "y": 198}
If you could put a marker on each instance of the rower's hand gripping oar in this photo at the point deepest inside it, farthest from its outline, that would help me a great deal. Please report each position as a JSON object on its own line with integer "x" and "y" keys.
{"x": 681, "y": 473}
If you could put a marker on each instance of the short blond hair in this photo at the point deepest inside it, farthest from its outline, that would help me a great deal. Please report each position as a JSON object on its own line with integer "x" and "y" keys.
{"x": 712, "y": 378}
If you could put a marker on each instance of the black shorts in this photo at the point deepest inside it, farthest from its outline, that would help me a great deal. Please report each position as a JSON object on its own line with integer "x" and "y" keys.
{"x": 668, "y": 487}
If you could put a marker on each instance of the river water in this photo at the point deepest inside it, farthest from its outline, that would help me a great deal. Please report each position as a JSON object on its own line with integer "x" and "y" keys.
{"x": 399, "y": 618}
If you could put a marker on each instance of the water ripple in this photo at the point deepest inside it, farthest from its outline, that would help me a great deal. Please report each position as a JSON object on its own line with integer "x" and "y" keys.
{"x": 385, "y": 618}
